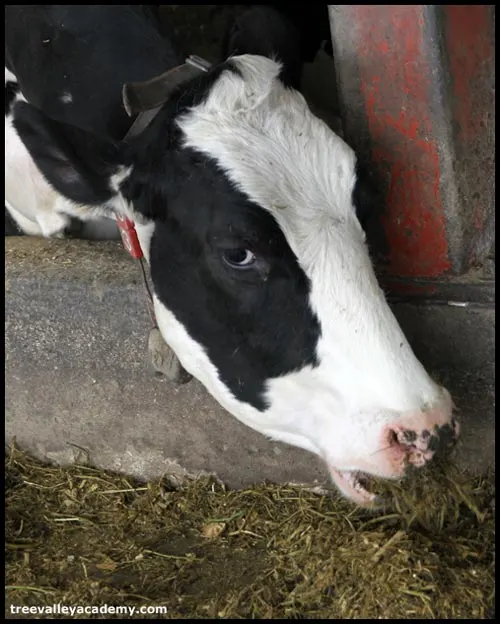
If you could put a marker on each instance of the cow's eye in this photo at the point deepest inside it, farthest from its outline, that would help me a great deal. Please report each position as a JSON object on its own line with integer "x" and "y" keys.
{"x": 239, "y": 258}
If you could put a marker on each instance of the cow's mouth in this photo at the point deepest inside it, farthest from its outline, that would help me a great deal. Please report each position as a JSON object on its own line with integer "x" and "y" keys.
{"x": 410, "y": 447}
{"x": 355, "y": 486}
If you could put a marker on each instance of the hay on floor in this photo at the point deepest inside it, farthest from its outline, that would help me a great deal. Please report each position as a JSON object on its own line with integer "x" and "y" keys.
{"x": 81, "y": 536}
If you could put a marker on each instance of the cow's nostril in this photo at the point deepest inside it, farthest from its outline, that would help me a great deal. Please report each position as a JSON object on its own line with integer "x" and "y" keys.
{"x": 408, "y": 436}
{"x": 393, "y": 438}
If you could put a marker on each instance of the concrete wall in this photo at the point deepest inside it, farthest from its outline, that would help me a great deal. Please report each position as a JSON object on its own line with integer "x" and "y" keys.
{"x": 77, "y": 376}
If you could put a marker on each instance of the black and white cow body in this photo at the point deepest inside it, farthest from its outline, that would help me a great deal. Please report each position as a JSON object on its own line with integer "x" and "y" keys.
{"x": 245, "y": 206}
{"x": 71, "y": 63}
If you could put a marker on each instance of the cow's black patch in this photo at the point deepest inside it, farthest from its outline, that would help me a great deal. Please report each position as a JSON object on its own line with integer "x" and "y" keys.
{"x": 11, "y": 90}
{"x": 254, "y": 324}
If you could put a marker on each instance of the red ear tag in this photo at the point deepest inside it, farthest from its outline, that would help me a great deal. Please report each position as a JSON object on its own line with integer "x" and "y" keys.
{"x": 129, "y": 237}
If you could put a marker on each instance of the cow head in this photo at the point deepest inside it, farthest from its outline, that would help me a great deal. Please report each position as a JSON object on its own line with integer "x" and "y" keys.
{"x": 246, "y": 206}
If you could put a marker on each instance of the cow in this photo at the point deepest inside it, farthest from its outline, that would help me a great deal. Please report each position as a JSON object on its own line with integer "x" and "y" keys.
{"x": 294, "y": 32}
{"x": 246, "y": 206}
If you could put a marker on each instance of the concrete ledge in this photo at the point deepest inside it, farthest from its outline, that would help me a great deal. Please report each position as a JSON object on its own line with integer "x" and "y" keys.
{"x": 77, "y": 376}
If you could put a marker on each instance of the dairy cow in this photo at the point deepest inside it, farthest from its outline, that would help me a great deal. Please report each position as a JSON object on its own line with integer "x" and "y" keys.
{"x": 246, "y": 206}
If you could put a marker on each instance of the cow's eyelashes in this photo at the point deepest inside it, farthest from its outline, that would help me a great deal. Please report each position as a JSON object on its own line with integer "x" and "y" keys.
{"x": 239, "y": 258}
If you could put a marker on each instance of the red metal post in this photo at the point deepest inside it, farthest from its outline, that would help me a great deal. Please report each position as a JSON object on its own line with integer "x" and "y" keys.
{"x": 416, "y": 88}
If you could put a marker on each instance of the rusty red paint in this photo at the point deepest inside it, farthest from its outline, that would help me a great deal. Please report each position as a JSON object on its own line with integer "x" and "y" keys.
{"x": 384, "y": 47}
{"x": 469, "y": 48}
{"x": 398, "y": 114}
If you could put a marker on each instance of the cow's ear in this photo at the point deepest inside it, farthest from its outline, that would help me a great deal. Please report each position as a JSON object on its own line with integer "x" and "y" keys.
{"x": 78, "y": 164}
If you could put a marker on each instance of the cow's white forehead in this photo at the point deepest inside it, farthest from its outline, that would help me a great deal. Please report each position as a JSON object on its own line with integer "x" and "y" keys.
{"x": 266, "y": 139}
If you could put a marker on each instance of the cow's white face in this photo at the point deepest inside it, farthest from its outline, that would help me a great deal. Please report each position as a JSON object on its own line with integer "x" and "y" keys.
{"x": 245, "y": 207}
{"x": 325, "y": 365}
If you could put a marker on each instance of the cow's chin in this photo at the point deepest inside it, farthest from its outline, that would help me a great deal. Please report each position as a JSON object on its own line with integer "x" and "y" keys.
{"x": 353, "y": 485}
